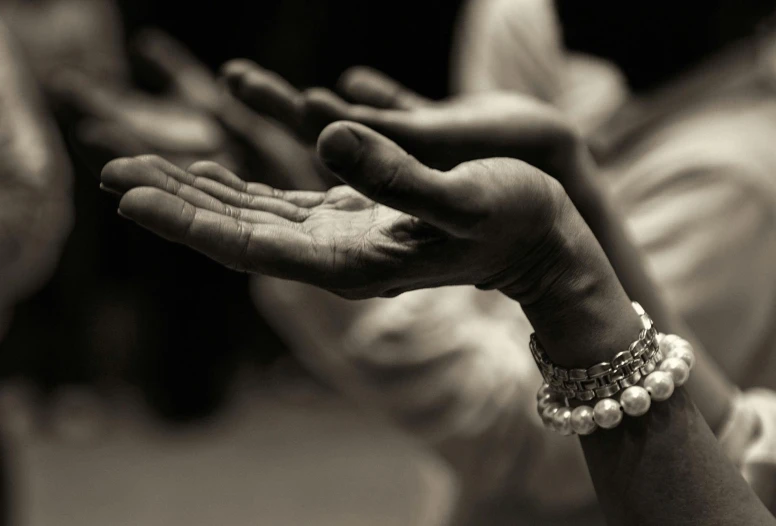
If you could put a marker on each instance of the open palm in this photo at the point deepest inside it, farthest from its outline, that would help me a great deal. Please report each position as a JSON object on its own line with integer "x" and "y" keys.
{"x": 423, "y": 229}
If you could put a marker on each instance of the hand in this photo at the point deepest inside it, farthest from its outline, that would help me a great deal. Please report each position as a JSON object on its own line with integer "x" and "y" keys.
{"x": 116, "y": 120}
{"x": 497, "y": 224}
{"x": 426, "y": 229}
{"x": 440, "y": 134}
{"x": 192, "y": 119}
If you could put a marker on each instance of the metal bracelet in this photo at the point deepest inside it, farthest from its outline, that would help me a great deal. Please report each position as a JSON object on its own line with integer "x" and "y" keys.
{"x": 604, "y": 379}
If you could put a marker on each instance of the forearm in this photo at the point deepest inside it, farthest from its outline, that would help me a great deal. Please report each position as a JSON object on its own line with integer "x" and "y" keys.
{"x": 709, "y": 388}
{"x": 665, "y": 467}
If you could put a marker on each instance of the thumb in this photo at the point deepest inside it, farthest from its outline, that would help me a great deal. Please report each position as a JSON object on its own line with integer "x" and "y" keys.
{"x": 381, "y": 170}
{"x": 368, "y": 86}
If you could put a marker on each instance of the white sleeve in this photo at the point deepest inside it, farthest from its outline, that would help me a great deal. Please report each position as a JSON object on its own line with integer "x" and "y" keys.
{"x": 509, "y": 45}
{"x": 711, "y": 244}
{"x": 749, "y": 439}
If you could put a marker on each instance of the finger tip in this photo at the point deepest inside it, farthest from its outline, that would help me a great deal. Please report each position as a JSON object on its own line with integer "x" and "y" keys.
{"x": 236, "y": 68}
{"x": 139, "y": 202}
{"x": 322, "y": 97}
{"x": 339, "y": 144}
{"x": 111, "y": 173}
{"x": 354, "y": 76}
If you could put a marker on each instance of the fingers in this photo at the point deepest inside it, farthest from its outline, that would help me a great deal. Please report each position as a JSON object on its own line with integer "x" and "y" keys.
{"x": 123, "y": 175}
{"x": 368, "y": 86}
{"x": 77, "y": 95}
{"x": 322, "y": 107}
{"x": 264, "y": 91}
{"x": 378, "y": 168}
{"x": 276, "y": 250}
{"x": 216, "y": 172}
{"x": 98, "y": 142}
{"x": 276, "y": 154}
{"x": 179, "y": 69}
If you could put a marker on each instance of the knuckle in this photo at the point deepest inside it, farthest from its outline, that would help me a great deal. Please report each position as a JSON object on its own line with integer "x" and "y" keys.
{"x": 394, "y": 173}
{"x": 472, "y": 206}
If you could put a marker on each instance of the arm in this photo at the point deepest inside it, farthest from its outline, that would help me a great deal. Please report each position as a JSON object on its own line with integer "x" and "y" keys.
{"x": 498, "y": 224}
{"x": 665, "y": 467}
{"x": 708, "y": 386}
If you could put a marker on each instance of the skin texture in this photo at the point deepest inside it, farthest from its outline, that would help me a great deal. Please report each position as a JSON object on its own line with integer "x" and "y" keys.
{"x": 260, "y": 222}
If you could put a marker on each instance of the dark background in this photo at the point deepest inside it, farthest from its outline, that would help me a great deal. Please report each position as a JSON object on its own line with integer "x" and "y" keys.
{"x": 119, "y": 308}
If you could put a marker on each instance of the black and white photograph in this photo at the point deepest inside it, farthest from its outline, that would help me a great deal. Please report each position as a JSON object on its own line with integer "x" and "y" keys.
{"x": 388, "y": 263}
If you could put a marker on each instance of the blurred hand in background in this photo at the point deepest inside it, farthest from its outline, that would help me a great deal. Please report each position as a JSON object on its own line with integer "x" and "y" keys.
{"x": 441, "y": 134}
{"x": 185, "y": 116}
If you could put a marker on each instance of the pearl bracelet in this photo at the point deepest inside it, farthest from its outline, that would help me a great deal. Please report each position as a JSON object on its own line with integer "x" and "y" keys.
{"x": 671, "y": 372}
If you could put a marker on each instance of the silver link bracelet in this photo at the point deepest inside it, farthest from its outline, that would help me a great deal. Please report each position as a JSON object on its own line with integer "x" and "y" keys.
{"x": 605, "y": 379}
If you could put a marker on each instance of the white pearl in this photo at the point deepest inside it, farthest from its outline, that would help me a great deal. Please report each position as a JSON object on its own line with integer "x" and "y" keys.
{"x": 582, "y": 421}
{"x": 545, "y": 402}
{"x": 659, "y": 385}
{"x": 635, "y": 401}
{"x": 561, "y": 421}
{"x": 679, "y": 342}
{"x": 543, "y": 391}
{"x": 549, "y": 412}
{"x": 683, "y": 353}
{"x": 668, "y": 340}
{"x": 678, "y": 368}
{"x": 607, "y": 413}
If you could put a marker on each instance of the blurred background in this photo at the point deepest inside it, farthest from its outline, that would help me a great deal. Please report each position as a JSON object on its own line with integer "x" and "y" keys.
{"x": 129, "y": 396}
{"x": 139, "y": 383}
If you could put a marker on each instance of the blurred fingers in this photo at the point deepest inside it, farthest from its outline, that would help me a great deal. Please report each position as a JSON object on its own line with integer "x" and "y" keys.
{"x": 76, "y": 96}
{"x": 177, "y": 68}
{"x": 368, "y": 86}
{"x": 98, "y": 142}
{"x": 264, "y": 91}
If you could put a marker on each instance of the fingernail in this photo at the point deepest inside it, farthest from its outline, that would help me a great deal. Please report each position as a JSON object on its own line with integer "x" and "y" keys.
{"x": 109, "y": 189}
{"x": 339, "y": 146}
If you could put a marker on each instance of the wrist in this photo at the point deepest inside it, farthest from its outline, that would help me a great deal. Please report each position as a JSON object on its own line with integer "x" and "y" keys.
{"x": 575, "y": 302}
